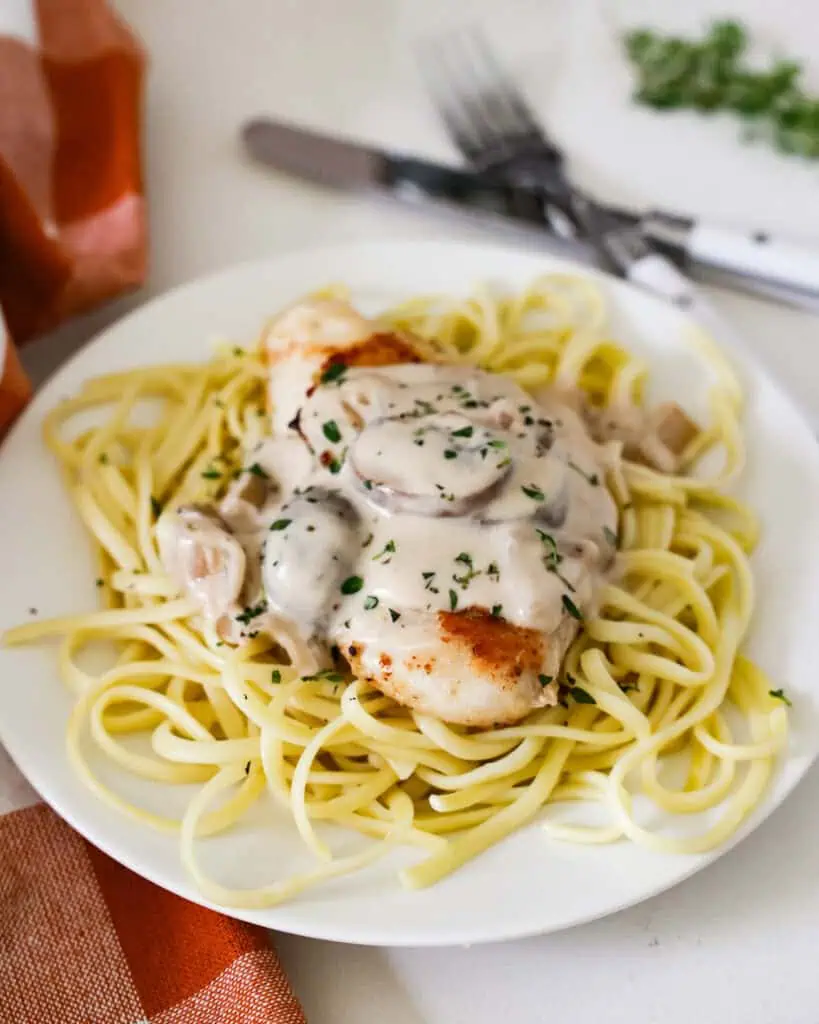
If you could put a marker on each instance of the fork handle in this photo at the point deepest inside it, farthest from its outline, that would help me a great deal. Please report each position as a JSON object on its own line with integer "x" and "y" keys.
{"x": 659, "y": 275}
{"x": 755, "y": 256}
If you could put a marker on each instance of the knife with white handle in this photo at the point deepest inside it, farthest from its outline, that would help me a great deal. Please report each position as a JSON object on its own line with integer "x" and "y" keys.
{"x": 757, "y": 256}
{"x": 629, "y": 254}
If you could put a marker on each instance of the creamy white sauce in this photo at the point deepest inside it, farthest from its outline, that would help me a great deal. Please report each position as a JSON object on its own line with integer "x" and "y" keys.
{"x": 410, "y": 489}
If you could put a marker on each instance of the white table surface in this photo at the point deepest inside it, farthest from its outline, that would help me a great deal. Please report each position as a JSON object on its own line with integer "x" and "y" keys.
{"x": 738, "y": 942}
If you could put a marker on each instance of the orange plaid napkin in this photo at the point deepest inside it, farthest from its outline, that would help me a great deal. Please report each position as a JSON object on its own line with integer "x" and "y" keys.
{"x": 85, "y": 941}
{"x": 82, "y": 940}
{"x": 72, "y": 217}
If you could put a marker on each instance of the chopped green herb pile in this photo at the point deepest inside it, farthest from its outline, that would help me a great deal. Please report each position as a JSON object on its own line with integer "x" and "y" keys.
{"x": 713, "y": 74}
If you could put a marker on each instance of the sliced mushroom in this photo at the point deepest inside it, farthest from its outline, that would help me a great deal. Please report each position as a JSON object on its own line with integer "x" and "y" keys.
{"x": 673, "y": 427}
{"x": 554, "y": 510}
{"x": 244, "y": 500}
{"x": 330, "y": 417}
{"x": 438, "y": 465}
{"x": 307, "y": 554}
{"x": 201, "y": 554}
{"x": 655, "y": 438}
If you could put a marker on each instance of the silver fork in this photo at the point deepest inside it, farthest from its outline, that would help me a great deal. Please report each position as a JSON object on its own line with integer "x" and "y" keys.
{"x": 485, "y": 113}
{"x": 496, "y": 130}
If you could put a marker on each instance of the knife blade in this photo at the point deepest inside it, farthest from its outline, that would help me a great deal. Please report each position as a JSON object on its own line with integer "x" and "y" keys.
{"x": 351, "y": 166}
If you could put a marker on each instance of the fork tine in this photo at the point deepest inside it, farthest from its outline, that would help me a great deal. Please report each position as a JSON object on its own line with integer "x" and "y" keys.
{"x": 481, "y": 107}
{"x": 499, "y": 84}
{"x": 443, "y": 69}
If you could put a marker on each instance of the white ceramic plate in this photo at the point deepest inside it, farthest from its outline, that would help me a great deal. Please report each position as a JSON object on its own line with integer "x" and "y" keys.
{"x": 525, "y": 885}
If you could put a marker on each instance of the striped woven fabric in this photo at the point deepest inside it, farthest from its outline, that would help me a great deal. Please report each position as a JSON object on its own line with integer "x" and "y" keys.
{"x": 83, "y": 940}
{"x": 72, "y": 215}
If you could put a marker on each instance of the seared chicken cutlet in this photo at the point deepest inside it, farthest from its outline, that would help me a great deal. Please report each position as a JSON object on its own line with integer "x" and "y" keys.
{"x": 442, "y": 530}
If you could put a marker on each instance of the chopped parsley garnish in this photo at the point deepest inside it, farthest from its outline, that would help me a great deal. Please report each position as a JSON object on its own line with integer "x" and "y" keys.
{"x": 368, "y": 540}
{"x": 463, "y": 432}
{"x": 394, "y": 615}
{"x": 156, "y": 506}
{"x": 257, "y": 470}
{"x": 238, "y": 351}
{"x": 497, "y": 443}
{"x": 212, "y": 474}
{"x": 281, "y": 524}
{"x": 352, "y": 585}
{"x": 453, "y": 600}
{"x": 497, "y": 609}
{"x": 367, "y": 484}
{"x": 247, "y": 768}
{"x": 582, "y": 696}
{"x": 329, "y": 461}
{"x": 276, "y": 676}
{"x": 544, "y": 680}
{"x": 572, "y": 608}
{"x": 610, "y": 536}
{"x": 103, "y": 459}
{"x": 370, "y": 603}
{"x": 471, "y": 572}
{"x": 251, "y": 612}
{"x": 553, "y": 556}
{"x": 493, "y": 570}
{"x": 780, "y": 695}
{"x": 533, "y": 492}
{"x": 100, "y": 581}
{"x": 591, "y": 478}
{"x": 331, "y": 431}
{"x": 388, "y": 549}
{"x": 333, "y": 373}
{"x": 450, "y": 453}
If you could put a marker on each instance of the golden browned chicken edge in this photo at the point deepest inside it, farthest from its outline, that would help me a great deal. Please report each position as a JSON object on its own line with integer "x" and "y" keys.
{"x": 497, "y": 649}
